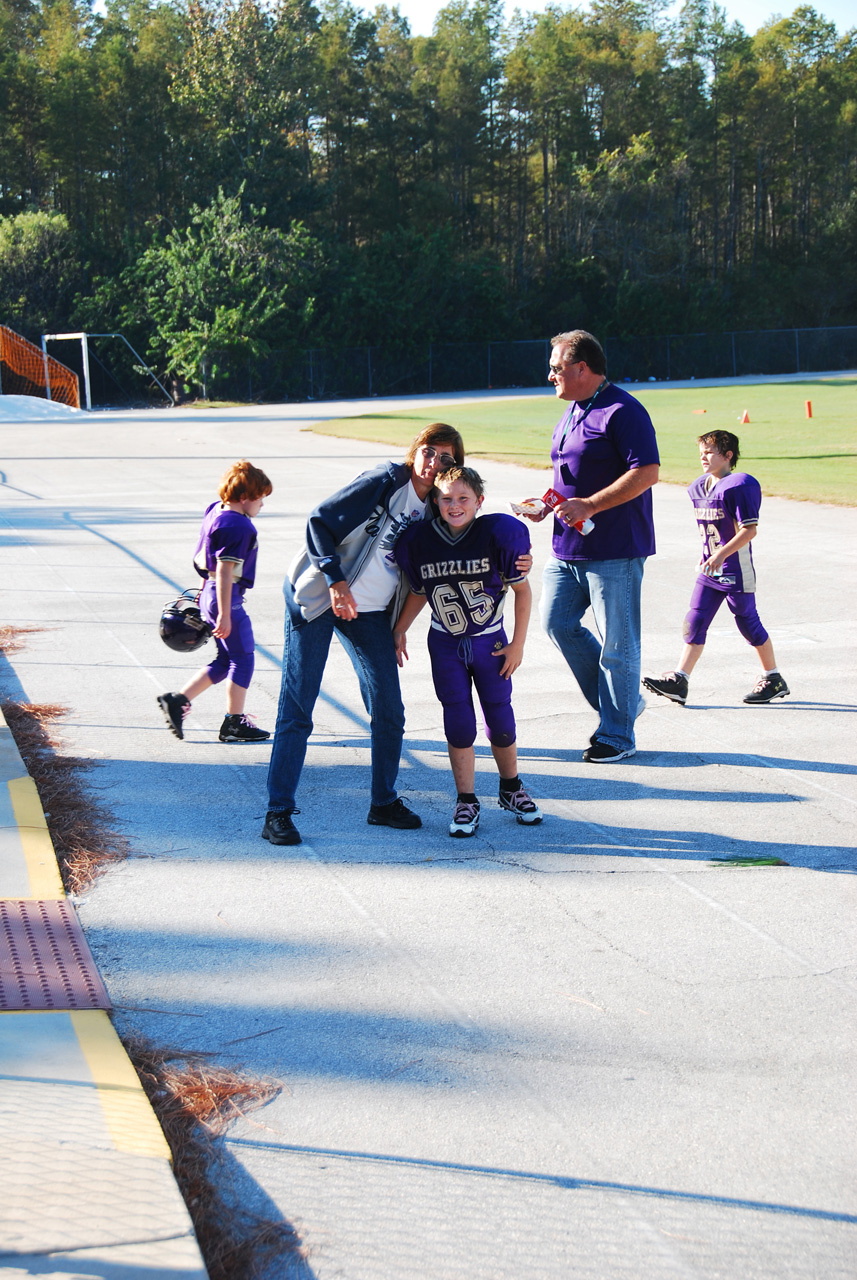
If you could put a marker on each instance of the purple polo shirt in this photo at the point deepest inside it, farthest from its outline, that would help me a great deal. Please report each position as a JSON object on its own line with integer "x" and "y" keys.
{"x": 591, "y": 448}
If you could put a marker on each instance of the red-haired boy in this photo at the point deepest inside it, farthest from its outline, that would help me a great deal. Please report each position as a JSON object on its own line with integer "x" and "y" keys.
{"x": 225, "y": 557}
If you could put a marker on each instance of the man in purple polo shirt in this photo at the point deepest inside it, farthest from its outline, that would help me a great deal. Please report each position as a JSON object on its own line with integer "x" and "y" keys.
{"x": 605, "y": 461}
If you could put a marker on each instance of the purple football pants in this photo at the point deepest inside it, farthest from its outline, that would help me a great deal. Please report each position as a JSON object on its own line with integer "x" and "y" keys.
{"x": 236, "y": 655}
{"x": 457, "y": 664}
{"x": 705, "y": 602}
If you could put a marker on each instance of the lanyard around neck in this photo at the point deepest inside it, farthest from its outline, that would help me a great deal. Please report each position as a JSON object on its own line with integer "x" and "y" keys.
{"x": 569, "y": 417}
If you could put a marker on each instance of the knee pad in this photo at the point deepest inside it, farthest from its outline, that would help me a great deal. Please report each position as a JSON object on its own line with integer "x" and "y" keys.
{"x": 751, "y": 629}
{"x": 241, "y": 669}
{"x": 695, "y": 627}
{"x": 459, "y": 724}
{"x": 499, "y": 723}
{"x": 218, "y": 670}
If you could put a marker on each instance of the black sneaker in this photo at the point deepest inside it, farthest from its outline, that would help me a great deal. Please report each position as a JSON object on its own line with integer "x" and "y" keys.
{"x": 602, "y": 753}
{"x": 768, "y": 688}
{"x": 396, "y": 814}
{"x": 280, "y": 829}
{"x": 241, "y": 729}
{"x": 175, "y": 707}
{"x": 522, "y": 804}
{"x": 465, "y": 819}
{"x": 670, "y": 685}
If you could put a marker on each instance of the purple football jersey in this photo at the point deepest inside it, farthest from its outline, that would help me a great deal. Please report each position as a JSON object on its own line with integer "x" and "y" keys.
{"x": 722, "y": 508}
{"x": 227, "y": 535}
{"x": 464, "y": 575}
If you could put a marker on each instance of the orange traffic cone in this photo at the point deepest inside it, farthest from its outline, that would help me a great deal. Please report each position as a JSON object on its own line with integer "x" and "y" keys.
{"x": 745, "y": 417}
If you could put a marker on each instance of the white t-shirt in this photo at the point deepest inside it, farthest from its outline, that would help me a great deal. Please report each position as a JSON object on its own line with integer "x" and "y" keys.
{"x": 375, "y": 584}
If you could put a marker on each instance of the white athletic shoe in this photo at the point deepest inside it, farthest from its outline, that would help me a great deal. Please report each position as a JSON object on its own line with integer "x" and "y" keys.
{"x": 465, "y": 819}
{"x": 522, "y": 804}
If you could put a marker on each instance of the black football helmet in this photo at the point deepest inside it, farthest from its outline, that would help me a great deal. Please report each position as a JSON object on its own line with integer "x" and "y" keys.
{"x": 182, "y": 626}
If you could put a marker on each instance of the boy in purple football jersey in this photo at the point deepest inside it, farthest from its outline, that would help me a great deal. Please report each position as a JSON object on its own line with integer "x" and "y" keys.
{"x": 727, "y": 506}
{"x": 225, "y": 557}
{"x": 463, "y": 567}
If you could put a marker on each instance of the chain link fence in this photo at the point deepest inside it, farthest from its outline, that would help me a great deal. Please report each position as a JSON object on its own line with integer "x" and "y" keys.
{"x": 732, "y": 355}
{"x": 358, "y": 372}
{"x": 355, "y": 373}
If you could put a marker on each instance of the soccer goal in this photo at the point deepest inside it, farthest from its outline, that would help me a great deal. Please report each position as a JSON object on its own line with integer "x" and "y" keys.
{"x": 84, "y": 348}
{"x": 27, "y": 371}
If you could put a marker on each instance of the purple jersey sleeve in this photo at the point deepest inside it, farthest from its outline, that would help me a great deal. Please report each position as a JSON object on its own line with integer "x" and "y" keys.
{"x": 406, "y": 553}
{"x": 228, "y": 542}
{"x": 227, "y": 535}
{"x": 742, "y": 497}
{"x": 510, "y": 539}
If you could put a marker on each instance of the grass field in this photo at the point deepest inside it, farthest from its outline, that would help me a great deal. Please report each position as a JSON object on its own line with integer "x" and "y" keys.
{"x": 791, "y": 456}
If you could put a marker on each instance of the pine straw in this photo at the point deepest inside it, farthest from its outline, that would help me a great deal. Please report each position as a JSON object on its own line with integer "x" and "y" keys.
{"x": 80, "y": 827}
{"x": 194, "y": 1101}
{"x": 10, "y": 638}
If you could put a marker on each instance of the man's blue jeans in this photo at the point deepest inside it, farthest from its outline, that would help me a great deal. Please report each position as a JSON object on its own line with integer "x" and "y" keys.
{"x": 608, "y": 671}
{"x": 368, "y": 641}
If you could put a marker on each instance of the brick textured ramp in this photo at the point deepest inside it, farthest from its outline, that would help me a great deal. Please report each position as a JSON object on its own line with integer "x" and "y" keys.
{"x": 88, "y": 1188}
{"x": 45, "y": 962}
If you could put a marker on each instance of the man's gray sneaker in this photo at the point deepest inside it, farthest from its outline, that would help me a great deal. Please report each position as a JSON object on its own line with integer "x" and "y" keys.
{"x": 603, "y": 753}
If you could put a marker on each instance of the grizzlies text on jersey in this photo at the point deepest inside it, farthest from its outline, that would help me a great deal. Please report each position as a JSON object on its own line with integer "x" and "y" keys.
{"x": 464, "y": 575}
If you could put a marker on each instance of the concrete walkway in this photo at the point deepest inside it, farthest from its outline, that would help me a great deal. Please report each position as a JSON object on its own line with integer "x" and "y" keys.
{"x": 584, "y": 1049}
{"x": 87, "y": 1186}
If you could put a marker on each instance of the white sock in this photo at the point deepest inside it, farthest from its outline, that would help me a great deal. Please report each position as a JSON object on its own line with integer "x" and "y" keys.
{"x": 679, "y": 672}
{"x": 774, "y": 672}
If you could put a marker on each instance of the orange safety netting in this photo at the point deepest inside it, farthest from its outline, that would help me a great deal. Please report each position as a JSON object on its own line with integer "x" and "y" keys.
{"x": 22, "y": 371}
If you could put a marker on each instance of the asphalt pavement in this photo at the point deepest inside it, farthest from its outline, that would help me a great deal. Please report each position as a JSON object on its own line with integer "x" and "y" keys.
{"x": 584, "y": 1049}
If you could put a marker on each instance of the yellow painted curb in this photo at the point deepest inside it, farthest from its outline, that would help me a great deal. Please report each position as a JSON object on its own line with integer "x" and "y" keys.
{"x": 130, "y": 1119}
{"x": 39, "y": 855}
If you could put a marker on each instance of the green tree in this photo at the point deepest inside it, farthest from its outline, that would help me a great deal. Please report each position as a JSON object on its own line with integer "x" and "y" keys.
{"x": 215, "y": 293}
{"x": 141, "y": 175}
{"x": 20, "y": 106}
{"x": 40, "y": 273}
{"x": 69, "y": 152}
{"x": 410, "y": 288}
{"x": 346, "y": 48}
{"x": 457, "y": 74}
{"x": 249, "y": 79}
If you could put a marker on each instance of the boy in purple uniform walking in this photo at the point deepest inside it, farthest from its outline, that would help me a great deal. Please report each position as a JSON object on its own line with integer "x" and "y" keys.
{"x": 225, "y": 557}
{"x": 463, "y": 566}
{"x": 727, "y": 506}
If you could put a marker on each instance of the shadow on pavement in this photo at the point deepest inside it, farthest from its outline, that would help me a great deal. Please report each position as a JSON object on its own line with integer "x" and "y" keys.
{"x": 178, "y": 798}
{"x": 555, "y": 1180}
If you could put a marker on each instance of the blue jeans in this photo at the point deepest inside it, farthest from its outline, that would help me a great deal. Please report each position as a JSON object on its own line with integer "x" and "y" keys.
{"x": 368, "y": 641}
{"x": 608, "y": 671}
